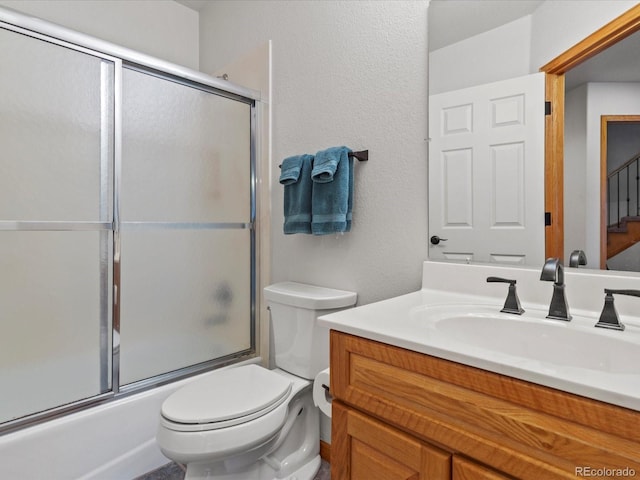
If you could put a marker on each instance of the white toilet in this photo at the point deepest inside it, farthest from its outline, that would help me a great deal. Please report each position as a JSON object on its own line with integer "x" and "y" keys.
{"x": 250, "y": 423}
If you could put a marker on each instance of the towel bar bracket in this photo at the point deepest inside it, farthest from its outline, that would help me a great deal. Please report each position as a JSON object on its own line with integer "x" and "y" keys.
{"x": 363, "y": 155}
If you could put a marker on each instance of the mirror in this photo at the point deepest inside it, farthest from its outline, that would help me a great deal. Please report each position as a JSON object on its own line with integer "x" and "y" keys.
{"x": 582, "y": 54}
{"x": 602, "y": 198}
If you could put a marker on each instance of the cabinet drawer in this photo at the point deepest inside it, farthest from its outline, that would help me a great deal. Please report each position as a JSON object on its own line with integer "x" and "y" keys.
{"x": 497, "y": 420}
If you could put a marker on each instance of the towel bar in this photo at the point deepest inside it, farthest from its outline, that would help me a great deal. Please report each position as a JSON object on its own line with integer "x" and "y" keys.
{"x": 362, "y": 156}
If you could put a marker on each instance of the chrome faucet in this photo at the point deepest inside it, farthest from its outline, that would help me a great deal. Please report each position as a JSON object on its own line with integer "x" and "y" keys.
{"x": 553, "y": 271}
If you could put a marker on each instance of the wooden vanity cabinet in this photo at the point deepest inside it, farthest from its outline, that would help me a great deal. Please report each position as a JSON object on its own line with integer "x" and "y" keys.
{"x": 399, "y": 414}
{"x": 362, "y": 447}
{"x": 464, "y": 469}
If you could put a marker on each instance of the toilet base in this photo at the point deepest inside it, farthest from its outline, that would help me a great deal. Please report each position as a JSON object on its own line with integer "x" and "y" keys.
{"x": 292, "y": 455}
{"x": 258, "y": 471}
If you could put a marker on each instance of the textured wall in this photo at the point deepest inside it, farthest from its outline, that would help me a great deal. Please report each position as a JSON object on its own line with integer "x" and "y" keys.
{"x": 498, "y": 54}
{"x": 352, "y": 73}
{"x": 557, "y": 25}
{"x": 161, "y": 28}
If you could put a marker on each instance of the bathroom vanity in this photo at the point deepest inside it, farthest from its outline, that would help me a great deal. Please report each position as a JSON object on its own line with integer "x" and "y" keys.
{"x": 412, "y": 403}
{"x": 417, "y": 416}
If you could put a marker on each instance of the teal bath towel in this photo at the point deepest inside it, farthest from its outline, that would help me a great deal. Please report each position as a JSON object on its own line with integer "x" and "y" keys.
{"x": 332, "y": 195}
{"x": 295, "y": 175}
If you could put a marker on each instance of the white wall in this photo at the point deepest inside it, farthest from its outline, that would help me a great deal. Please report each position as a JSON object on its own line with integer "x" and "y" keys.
{"x": 161, "y": 28}
{"x": 491, "y": 56}
{"x": 557, "y": 25}
{"x": 575, "y": 186}
{"x": 352, "y": 73}
{"x": 522, "y": 46}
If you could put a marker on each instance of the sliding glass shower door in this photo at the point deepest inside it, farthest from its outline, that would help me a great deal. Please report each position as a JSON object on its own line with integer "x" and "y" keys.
{"x": 56, "y": 131}
{"x": 185, "y": 210}
{"x": 127, "y": 242}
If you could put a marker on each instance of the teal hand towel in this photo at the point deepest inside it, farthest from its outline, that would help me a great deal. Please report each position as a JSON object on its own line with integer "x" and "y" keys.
{"x": 295, "y": 175}
{"x": 325, "y": 164}
{"x": 290, "y": 170}
{"x": 332, "y": 195}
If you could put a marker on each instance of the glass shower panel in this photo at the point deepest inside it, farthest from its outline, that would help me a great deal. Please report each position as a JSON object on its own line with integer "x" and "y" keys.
{"x": 50, "y": 130}
{"x": 50, "y": 314}
{"x": 186, "y": 153}
{"x": 185, "y": 298}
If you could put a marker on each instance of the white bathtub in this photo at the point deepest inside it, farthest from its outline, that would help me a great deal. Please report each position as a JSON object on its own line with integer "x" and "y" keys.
{"x": 115, "y": 441}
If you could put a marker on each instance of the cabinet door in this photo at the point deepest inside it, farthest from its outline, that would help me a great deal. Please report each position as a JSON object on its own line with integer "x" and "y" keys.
{"x": 366, "y": 449}
{"x": 464, "y": 469}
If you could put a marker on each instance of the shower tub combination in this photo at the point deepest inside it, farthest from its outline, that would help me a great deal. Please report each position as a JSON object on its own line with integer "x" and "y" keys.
{"x": 115, "y": 440}
{"x": 127, "y": 246}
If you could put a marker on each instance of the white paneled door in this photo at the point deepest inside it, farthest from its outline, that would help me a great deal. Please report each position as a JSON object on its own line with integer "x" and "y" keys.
{"x": 486, "y": 173}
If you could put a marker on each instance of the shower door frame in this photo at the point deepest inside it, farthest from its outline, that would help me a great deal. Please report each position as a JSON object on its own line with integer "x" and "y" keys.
{"x": 110, "y": 159}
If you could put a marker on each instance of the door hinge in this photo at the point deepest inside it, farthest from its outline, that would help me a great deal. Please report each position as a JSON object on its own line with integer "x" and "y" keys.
{"x": 547, "y": 219}
{"x": 547, "y": 108}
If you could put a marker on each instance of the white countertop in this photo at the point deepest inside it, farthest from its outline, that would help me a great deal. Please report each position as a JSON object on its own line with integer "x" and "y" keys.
{"x": 405, "y": 322}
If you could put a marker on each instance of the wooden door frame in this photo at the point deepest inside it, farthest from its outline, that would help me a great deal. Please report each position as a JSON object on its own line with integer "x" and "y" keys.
{"x": 613, "y": 32}
{"x": 605, "y": 120}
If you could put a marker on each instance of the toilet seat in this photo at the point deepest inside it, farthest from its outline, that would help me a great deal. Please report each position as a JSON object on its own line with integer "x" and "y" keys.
{"x": 225, "y": 399}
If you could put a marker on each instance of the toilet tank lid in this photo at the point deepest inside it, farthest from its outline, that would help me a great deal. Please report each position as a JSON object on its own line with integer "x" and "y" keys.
{"x": 309, "y": 296}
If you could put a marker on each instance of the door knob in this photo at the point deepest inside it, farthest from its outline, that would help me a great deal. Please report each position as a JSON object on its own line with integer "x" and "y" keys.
{"x": 435, "y": 240}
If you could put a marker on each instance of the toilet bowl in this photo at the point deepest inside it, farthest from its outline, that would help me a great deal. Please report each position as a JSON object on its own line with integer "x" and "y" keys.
{"x": 249, "y": 422}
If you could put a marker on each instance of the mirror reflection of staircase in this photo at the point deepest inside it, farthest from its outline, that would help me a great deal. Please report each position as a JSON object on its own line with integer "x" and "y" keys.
{"x": 623, "y": 206}
{"x": 623, "y": 235}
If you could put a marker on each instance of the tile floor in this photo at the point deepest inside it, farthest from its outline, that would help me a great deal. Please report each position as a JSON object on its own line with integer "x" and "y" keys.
{"x": 173, "y": 471}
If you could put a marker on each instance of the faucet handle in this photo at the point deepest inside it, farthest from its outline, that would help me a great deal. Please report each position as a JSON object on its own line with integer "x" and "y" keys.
{"x": 609, "y": 316}
{"x": 633, "y": 293}
{"x": 512, "y": 303}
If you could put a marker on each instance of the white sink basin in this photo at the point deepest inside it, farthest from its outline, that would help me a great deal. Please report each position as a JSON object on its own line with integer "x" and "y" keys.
{"x": 456, "y": 316}
{"x": 572, "y": 356}
{"x": 552, "y": 344}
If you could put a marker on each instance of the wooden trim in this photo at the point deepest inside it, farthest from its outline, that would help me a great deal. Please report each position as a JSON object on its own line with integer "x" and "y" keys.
{"x": 611, "y": 33}
{"x": 616, "y": 30}
{"x": 554, "y": 170}
{"x": 325, "y": 451}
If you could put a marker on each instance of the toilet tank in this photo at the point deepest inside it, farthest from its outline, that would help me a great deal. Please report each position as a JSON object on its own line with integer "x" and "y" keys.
{"x": 298, "y": 344}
